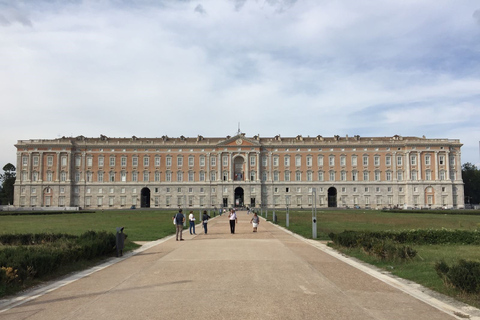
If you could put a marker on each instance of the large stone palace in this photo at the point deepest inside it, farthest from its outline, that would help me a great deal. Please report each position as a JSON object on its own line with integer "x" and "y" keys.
{"x": 198, "y": 172}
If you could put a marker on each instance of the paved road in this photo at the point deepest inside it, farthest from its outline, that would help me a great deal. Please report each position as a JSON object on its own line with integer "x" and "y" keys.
{"x": 271, "y": 274}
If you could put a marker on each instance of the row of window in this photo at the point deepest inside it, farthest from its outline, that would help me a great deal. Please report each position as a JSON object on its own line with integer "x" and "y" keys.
{"x": 277, "y": 200}
{"x": 213, "y": 160}
{"x": 287, "y": 176}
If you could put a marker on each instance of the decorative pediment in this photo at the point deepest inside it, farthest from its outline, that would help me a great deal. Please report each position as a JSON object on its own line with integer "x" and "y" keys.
{"x": 239, "y": 140}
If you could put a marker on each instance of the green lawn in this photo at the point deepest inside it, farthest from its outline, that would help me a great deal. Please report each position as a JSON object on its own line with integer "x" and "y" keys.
{"x": 140, "y": 225}
{"x": 337, "y": 221}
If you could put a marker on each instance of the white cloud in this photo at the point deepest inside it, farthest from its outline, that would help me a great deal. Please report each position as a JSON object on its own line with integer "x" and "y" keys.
{"x": 277, "y": 67}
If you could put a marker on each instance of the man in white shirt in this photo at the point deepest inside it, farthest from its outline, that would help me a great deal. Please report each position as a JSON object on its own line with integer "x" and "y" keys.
{"x": 191, "y": 218}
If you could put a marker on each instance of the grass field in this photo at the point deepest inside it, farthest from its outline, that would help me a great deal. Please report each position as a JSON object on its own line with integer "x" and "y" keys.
{"x": 149, "y": 224}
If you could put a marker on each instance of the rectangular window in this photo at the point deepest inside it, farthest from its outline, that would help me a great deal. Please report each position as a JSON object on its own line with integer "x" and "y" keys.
{"x": 376, "y": 160}
{"x": 264, "y": 161}
{"x": 169, "y": 161}
{"x": 287, "y": 161}
{"x": 213, "y": 161}
{"x": 112, "y": 161}
{"x": 309, "y": 161}
{"x": 320, "y": 176}
{"x": 78, "y": 161}
{"x": 252, "y": 160}
{"x": 399, "y": 160}
{"x": 135, "y": 161}
{"x": 377, "y": 175}
{"x": 89, "y": 161}
{"x": 202, "y": 161}
{"x": 332, "y": 175}
{"x": 399, "y": 175}
{"x": 365, "y": 160}
{"x": 331, "y": 160}
{"x": 179, "y": 161}
{"x": 35, "y": 160}
{"x": 123, "y": 161}
{"x": 343, "y": 160}
{"x": 427, "y": 160}
{"x": 287, "y": 175}
{"x": 298, "y": 161}
{"x": 275, "y": 176}
{"x": 100, "y": 161}
{"x": 225, "y": 161}
{"x": 146, "y": 161}
{"x": 388, "y": 160}
{"x": 157, "y": 161}
{"x": 320, "y": 161}
{"x": 298, "y": 176}
{"x": 413, "y": 160}
{"x": 354, "y": 160}
{"x": 309, "y": 176}
{"x": 365, "y": 176}
{"x": 191, "y": 161}
{"x": 24, "y": 161}
{"x": 343, "y": 176}
{"x": 275, "y": 161}
{"x": 388, "y": 176}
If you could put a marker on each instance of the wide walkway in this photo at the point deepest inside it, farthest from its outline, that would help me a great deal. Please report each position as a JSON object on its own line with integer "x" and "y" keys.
{"x": 271, "y": 274}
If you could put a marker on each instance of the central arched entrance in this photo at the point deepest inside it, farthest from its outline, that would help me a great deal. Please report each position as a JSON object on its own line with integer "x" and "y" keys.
{"x": 145, "y": 198}
{"x": 332, "y": 197}
{"x": 239, "y": 197}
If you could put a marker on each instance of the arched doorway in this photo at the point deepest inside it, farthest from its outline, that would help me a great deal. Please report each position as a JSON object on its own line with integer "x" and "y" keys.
{"x": 145, "y": 198}
{"x": 239, "y": 197}
{"x": 332, "y": 197}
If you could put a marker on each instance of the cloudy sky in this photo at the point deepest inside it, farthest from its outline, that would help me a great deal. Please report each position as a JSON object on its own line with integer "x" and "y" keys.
{"x": 151, "y": 68}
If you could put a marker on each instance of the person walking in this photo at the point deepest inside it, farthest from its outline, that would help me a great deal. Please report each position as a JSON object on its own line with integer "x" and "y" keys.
{"x": 191, "y": 218}
{"x": 232, "y": 217}
{"x": 255, "y": 221}
{"x": 205, "y": 218}
{"x": 179, "y": 219}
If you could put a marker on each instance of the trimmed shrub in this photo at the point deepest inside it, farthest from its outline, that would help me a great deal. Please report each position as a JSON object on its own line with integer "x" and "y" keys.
{"x": 49, "y": 253}
{"x": 464, "y": 276}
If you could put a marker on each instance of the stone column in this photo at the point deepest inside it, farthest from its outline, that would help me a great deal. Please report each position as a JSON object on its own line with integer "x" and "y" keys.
{"x": 420, "y": 166}
{"x": 247, "y": 171}
{"x": 437, "y": 172}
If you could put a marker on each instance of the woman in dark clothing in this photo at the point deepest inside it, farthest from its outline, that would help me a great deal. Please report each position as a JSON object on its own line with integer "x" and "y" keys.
{"x": 205, "y": 218}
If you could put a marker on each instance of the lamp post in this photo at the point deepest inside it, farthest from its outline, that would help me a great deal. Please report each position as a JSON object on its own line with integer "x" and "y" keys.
{"x": 184, "y": 208}
{"x": 314, "y": 214}
{"x": 287, "y": 219}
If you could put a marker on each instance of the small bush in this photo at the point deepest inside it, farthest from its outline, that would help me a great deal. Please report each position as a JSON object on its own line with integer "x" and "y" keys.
{"x": 464, "y": 276}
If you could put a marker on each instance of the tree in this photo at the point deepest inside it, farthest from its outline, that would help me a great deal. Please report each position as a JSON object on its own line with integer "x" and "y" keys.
{"x": 8, "y": 180}
{"x": 471, "y": 179}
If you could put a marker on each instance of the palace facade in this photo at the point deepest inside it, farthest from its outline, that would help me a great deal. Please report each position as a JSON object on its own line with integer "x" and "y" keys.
{"x": 198, "y": 172}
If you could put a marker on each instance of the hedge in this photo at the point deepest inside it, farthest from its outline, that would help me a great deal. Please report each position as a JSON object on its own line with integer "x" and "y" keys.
{"x": 465, "y": 275}
{"x": 26, "y": 259}
{"x": 420, "y": 237}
